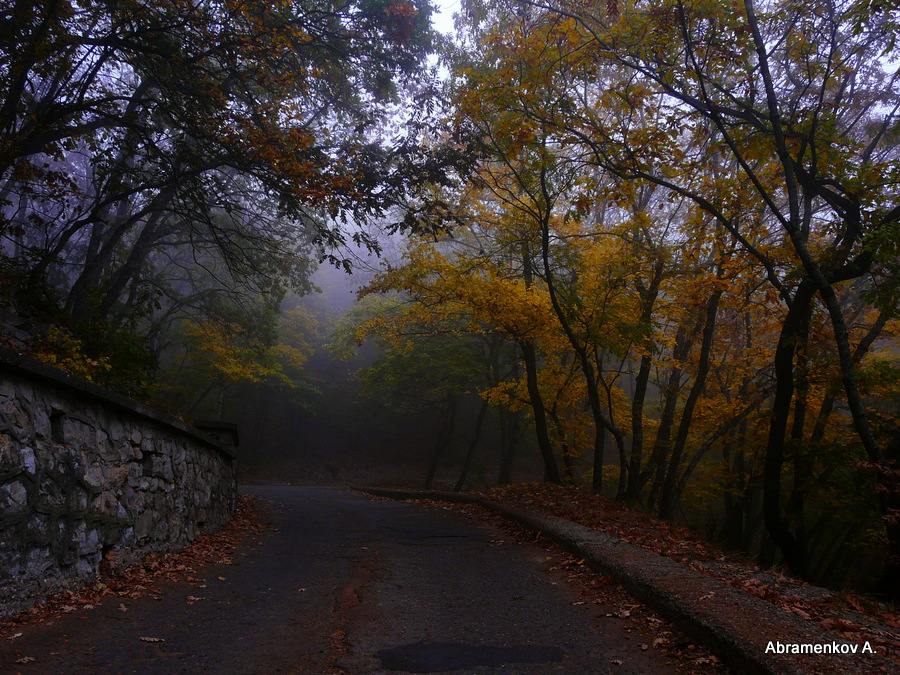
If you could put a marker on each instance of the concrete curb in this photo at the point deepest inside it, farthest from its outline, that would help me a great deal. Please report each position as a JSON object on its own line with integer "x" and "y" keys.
{"x": 737, "y": 627}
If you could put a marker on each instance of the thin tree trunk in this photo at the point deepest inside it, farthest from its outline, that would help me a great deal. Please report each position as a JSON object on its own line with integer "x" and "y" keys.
{"x": 599, "y": 450}
{"x": 510, "y": 446}
{"x": 443, "y": 440}
{"x": 551, "y": 470}
{"x": 565, "y": 451}
{"x": 796, "y": 503}
{"x": 667, "y": 501}
{"x": 633, "y": 490}
{"x": 470, "y": 454}
{"x": 662, "y": 445}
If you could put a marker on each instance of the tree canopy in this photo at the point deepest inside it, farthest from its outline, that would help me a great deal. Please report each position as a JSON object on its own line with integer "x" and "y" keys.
{"x": 170, "y": 159}
{"x": 706, "y": 195}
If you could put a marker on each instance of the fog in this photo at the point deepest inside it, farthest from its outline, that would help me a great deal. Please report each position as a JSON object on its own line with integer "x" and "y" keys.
{"x": 332, "y": 430}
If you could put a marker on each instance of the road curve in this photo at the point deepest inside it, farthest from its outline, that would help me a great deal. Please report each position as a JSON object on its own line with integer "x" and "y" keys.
{"x": 344, "y": 584}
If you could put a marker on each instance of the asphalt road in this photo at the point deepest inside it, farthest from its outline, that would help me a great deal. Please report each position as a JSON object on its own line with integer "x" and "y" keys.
{"x": 344, "y": 584}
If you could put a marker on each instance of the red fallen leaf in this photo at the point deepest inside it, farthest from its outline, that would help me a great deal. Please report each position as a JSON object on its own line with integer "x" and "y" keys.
{"x": 839, "y": 625}
{"x": 855, "y": 604}
{"x": 799, "y": 612}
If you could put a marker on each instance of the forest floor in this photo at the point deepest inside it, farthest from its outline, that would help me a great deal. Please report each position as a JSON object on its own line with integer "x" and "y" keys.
{"x": 855, "y": 617}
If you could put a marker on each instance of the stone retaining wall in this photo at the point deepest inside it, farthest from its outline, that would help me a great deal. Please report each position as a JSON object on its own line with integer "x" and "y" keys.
{"x": 86, "y": 474}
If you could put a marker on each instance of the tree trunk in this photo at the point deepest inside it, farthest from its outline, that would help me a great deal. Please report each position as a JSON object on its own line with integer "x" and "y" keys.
{"x": 443, "y": 440}
{"x": 149, "y": 235}
{"x": 796, "y": 503}
{"x": 512, "y": 426}
{"x": 551, "y": 470}
{"x": 507, "y": 419}
{"x": 662, "y": 445}
{"x": 667, "y": 501}
{"x": 633, "y": 490}
{"x": 599, "y": 449}
{"x": 472, "y": 446}
{"x": 889, "y": 482}
{"x": 794, "y": 553}
{"x": 565, "y": 451}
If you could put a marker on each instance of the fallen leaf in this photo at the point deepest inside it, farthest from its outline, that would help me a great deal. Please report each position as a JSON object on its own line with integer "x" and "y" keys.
{"x": 122, "y": 607}
{"x": 799, "y": 612}
{"x": 855, "y": 604}
{"x": 151, "y": 639}
{"x": 26, "y": 659}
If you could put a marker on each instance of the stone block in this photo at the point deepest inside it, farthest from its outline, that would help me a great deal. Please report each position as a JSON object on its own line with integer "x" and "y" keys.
{"x": 143, "y": 526}
{"x": 19, "y": 420}
{"x": 13, "y": 499}
{"x": 40, "y": 560}
{"x": 51, "y": 495}
{"x": 38, "y": 531}
{"x": 29, "y": 461}
{"x": 40, "y": 420}
{"x": 95, "y": 477}
{"x": 106, "y": 503}
{"x": 78, "y": 499}
{"x": 162, "y": 468}
{"x": 117, "y": 475}
{"x": 10, "y": 457}
{"x": 86, "y": 540}
{"x": 85, "y": 567}
{"x": 115, "y": 431}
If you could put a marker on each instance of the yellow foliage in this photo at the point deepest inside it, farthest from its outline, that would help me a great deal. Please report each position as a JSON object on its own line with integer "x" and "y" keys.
{"x": 65, "y": 352}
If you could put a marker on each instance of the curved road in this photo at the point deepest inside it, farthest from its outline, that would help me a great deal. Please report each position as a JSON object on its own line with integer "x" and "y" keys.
{"x": 344, "y": 584}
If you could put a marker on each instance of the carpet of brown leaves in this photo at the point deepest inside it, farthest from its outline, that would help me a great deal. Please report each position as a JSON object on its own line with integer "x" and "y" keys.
{"x": 854, "y": 617}
{"x": 138, "y": 580}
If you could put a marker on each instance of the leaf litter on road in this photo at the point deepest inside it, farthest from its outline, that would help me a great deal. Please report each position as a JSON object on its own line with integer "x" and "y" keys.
{"x": 136, "y": 581}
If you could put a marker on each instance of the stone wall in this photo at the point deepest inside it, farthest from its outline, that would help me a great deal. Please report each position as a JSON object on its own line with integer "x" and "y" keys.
{"x": 86, "y": 474}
